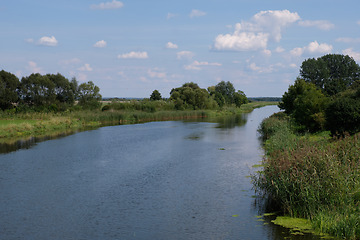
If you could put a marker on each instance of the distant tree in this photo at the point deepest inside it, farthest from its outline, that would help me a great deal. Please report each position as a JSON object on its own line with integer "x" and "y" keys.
{"x": 189, "y": 95}
{"x": 155, "y": 95}
{"x": 64, "y": 91}
{"x": 332, "y": 73}
{"x": 9, "y": 84}
{"x": 89, "y": 95}
{"x": 240, "y": 98}
{"x": 37, "y": 90}
{"x": 227, "y": 90}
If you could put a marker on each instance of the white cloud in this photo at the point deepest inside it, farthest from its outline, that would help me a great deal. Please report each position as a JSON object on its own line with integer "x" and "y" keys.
{"x": 279, "y": 50}
{"x": 107, "y": 5}
{"x": 320, "y": 24}
{"x": 312, "y": 48}
{"x": 29, "y": 40}
{"x": 196, "y": 65}
{"x": 351, "y": 53}
{"x": 197, "y": 13}
{"x": 358, "y": 22}
{"x": 33, "y": 67}
{"x": 348, "y": 40}
{"x": 269, "y": 69}
{"x": 255, "y": 34}
{"x": 154, "y": 74}
{"x": 171, "y": 45}
{"x": 100, "y": 44}
{"x": 134, "y": 55}
{"x": 70, "y": 61}
{"x": 171, "y": 15}
{"x": 267, "y": 52}
{"x": 48, "y": 41}
{"x": 185, "y": 55}
{"x": 85, "y": 68}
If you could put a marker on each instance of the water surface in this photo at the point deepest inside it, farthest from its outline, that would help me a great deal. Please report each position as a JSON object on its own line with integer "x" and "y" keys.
{"x": 158, "y": 180}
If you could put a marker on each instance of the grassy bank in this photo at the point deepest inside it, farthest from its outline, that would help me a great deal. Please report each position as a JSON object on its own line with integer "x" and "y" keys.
{"x": 312, "y": 176}
{"x": 22, "y": 125}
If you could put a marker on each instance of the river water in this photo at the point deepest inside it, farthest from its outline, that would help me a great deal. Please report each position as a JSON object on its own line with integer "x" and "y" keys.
{"x": 158, "y": 180}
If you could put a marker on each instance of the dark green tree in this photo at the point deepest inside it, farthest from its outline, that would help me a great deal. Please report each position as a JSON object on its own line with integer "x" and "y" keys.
{"x": 332, "y": 73}
{"x": 64, "y": 91}
{"x": 37, "y": 90}
{"x": 189, "y": 95}
{"x": 240, "y": 98}
{"x": 343, "y": 113}
{"x": 9, "y": 84}
{"x": 89, "y": 95}
{"x": 306, "y": 104}
{"x": 155, "y": 95}
{"x": 227, "y": 90}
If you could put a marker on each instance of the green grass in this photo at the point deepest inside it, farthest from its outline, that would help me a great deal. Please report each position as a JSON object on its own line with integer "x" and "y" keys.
{"x": 313, "y": 177}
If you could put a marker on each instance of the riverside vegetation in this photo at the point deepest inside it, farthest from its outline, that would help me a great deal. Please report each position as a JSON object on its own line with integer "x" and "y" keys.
{"x": 50, "y": 104}
{"x": 312, "y": 163}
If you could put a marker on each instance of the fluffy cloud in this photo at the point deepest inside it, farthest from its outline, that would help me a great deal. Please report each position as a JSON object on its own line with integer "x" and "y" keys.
{"x": 321, "y": 24}
{"x": 100, "y": 44}
{"x": 196, "y": 65}
{"x": 107, "y": 5}
{"x": 134, "y": 55}
{"x": 351, "y": 53}
{"x": 312, "y": 48}
{"x": 185, "y": 55}
{"x": 85, "y": 68}
{"x": 171, "y": 45}
{"x": 255, "y": 34}
{"x": 197, "y": 13}
{"x": 171, "y": 15}
{"x": 48, "y": 41}
{"x": 154, "y": 74}
{"x": 33, "y": 67}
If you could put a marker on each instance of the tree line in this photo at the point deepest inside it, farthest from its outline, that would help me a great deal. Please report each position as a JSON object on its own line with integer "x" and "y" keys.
{"x": 54, "y": 92}
{"x": 50, "y": 92}
{"x": 326, "y": 95}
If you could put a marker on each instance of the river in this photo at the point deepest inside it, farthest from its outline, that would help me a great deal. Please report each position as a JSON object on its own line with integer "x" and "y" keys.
{"x": 157, "y": 180}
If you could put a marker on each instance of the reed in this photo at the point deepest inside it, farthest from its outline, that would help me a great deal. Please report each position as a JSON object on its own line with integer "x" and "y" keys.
{"x": 314, "y": 177}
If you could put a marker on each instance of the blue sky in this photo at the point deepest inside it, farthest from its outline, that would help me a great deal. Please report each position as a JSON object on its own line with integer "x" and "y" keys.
{"x": 130, "y": 47}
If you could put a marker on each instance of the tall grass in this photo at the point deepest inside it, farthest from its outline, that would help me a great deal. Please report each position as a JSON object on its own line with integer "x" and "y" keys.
{"x": 313, "y": 177}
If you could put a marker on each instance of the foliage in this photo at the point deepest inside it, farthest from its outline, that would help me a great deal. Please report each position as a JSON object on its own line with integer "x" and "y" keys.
{"x": 333, "y": 73}
{"x": 155, "y": 96}
{"x": 89, "y": 96}
{"x": 190, "y": 96}
{"x": 313, "y": 177}
{"x": 240, "y": 98}
{"x": 8, "y": 90}
{"x": 227, "y": 90}
{"x": 306, "y": 104}
{"x": 343, "y": 113}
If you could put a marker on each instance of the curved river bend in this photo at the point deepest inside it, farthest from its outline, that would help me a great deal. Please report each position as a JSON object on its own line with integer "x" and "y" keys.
{"x": 158, "y": 180}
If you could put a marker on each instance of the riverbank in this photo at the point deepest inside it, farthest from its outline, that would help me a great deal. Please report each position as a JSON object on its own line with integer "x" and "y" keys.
{"x": 312, "y": 176}
{"x": 19, "y": 126}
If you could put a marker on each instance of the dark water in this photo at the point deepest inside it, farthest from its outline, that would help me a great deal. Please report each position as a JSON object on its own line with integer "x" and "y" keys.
{"x": 159, "y": 180}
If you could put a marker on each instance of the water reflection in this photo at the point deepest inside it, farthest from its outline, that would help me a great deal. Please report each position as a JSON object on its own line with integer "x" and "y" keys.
{"x": 229, "y": 122}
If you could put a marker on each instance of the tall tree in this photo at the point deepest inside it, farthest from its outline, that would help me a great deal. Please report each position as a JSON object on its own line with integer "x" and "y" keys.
{"x": 9, "y": 84}
{"x": 63, "y": 90}
{"x": 333, "y": 73}
{"x": 89, "y": 95}
{"x": 227, "y": 90}
{"x": 37, "y": 90}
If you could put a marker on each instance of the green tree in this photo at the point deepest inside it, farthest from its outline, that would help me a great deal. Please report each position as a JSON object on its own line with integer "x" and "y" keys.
{"x": 9, "y": 84}
{"x": 306, "y": 104}
{"x": 37, "y": 90}
{"x": 155, "y": 95}
{"x": 64, "y": 91}
{"x": 343, "y": 113}
{"x": 227, "y": 90}
{"x": 240, "y": 98}
{"x": 333, "y": 73}
{"x": 189, "y": 95}
{"x": 89, "y": 95}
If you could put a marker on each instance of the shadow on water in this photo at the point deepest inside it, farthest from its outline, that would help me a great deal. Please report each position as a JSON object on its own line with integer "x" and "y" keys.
{"x": 229, "y": 122}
